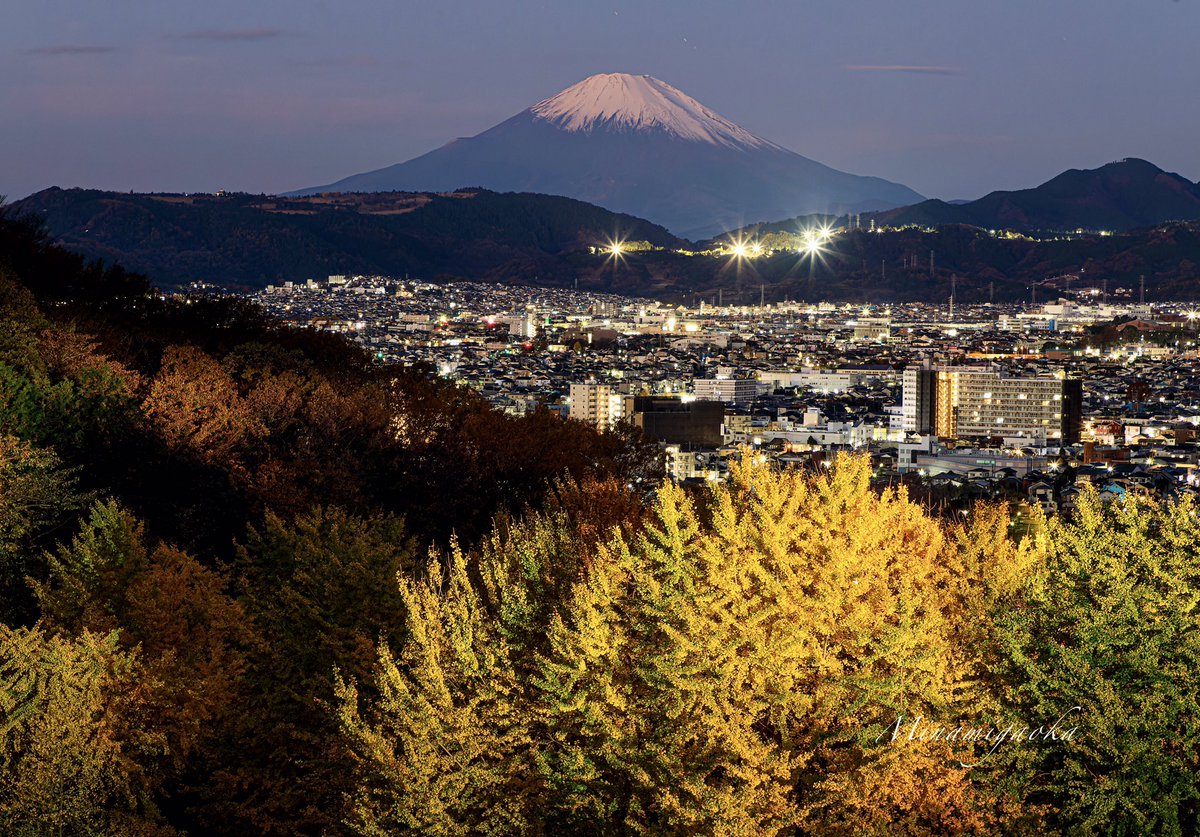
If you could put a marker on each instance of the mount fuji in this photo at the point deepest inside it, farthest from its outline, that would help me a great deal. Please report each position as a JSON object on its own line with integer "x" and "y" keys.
{"x": 637, "y": 145}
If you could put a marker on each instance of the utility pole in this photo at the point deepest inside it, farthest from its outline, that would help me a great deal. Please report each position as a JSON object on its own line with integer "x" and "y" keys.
{"x": 953, "y": 290}
{"x": 1142, "y": 290}
{"x": 992, "y": 291}
{"x": 762, "y": 296}
{"x": 930, "y": 262}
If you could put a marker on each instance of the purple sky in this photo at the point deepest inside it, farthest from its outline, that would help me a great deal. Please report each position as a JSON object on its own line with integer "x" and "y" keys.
{"x": 952, "y": 98}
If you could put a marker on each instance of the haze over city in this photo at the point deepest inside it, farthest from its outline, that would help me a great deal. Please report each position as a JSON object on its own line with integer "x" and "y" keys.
{"x": 952, "y": 100}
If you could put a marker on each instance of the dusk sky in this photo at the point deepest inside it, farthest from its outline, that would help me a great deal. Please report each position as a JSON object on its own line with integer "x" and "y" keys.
{"x": 953, "y": 99}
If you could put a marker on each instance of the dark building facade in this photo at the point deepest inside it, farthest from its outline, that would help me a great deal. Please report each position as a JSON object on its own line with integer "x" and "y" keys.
{"x": 695, "y": 424}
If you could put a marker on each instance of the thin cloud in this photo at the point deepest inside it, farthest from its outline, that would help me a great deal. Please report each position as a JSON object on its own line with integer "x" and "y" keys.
{"x": 904, "y": 68}
{"x": 72, "y": 49}
{"x": 226, "y": 35}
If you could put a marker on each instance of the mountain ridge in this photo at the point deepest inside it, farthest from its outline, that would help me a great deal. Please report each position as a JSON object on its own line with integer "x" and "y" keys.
{"x": 1122, "y": 195}
{"x": 634, "y": 144}
{"x": 248, "y": 241}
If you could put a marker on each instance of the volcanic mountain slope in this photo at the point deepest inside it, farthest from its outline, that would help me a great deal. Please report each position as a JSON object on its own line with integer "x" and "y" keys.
{"x": 637, "y": 145}
{"x": 1123, "y": 195}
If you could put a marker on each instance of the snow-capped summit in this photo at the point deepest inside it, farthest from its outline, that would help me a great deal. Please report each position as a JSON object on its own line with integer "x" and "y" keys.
{"x": 635, "y": 144}
{"x": 623, "y": 102}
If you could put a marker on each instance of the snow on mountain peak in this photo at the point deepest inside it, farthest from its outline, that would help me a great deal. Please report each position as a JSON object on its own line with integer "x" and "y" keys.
{"x": 623, "y": 102}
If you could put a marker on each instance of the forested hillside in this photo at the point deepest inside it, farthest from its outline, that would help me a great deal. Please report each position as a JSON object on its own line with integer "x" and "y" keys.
{"x": 249, "y": 241}
{"x": 253, "y": 584}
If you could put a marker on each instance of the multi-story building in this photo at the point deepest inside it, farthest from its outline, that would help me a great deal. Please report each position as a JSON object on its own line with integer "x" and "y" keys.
{"x": 967, "y": 402}
{"x": 729, "y": 390}
{"x": 816, "y": 379}
{"x": 599, "y": 405}
{"x": 691, "y": 424}
{"x": 872, "y": 329}
{"x": 916, "y": 408}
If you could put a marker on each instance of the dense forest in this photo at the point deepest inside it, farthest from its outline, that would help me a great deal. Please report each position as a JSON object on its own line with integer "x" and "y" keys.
{"x": 251, "y": 583}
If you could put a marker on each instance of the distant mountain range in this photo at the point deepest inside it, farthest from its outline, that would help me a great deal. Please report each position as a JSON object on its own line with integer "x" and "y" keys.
{"x": 636, "y": 144}
{"x": 1124, "y": 195}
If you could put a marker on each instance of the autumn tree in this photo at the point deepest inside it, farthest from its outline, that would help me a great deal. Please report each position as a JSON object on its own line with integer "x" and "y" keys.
{"x": 73, "y": 740}
{"x": 191, "y": 638}
{"x": 724, "y": 669}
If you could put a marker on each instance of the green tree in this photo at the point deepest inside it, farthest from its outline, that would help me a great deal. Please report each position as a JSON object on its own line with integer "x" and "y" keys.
{"x": 321, "y": 591}
{"x": 37, "y": 495}
{"x": 1108, "y": 635}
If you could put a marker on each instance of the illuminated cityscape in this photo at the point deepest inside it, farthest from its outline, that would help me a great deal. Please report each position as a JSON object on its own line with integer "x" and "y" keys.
{"x": 935, "y": 394}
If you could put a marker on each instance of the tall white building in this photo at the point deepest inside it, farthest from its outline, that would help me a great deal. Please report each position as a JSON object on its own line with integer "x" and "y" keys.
{"x": 599, "y": 405}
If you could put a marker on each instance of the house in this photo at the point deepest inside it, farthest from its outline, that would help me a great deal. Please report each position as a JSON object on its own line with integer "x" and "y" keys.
{"x": 1042, "y": 494}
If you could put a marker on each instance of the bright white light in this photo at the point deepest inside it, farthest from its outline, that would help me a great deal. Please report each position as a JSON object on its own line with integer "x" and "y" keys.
{"x": 812, "y": 241}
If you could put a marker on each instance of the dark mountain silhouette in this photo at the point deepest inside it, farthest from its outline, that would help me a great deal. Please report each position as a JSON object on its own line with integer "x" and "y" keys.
{"x": 254, "y": 240}
{"x": 1123, "y": 195}
{"x": 248, "y": 241}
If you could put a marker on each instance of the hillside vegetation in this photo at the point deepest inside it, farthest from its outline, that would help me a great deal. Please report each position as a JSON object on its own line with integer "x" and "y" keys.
{"x": 252, "y": 584}
{"x": 244, "y": 241}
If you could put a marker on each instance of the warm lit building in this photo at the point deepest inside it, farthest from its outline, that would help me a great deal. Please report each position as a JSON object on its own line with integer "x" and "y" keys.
{"x": 967, "y": 402}
{"x": 872, "y": 330}
{"x": 599, "y": 405}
